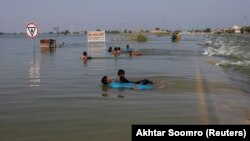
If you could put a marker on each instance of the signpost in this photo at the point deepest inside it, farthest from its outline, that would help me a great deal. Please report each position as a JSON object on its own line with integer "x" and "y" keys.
{"x": 32, "y": 31}
{"x": 96, "y": 43}
{"x": 96, "y": 36}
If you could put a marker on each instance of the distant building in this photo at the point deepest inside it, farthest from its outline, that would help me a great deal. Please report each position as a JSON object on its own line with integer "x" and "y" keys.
{"x": 236, "y": 29}
{"x": 219, "y": 31}
{"x": 158, "y": 31}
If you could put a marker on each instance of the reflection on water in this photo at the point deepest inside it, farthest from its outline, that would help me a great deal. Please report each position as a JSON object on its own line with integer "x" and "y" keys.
{"x": 97, "y": 49}
{"x": 98, "y": 52}
{"x": 71, "y": 104}
{"x": 34, "y": 71}
{"x": 34, "y": 74}
{"x": 48, "y": 51}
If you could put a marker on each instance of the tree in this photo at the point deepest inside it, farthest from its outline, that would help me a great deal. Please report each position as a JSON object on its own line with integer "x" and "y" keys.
{"x": 56, "y": 29}
{"x": 76, "y": 33}
{"x": 115, "y": 32}
{"x": 66, "y": 32}
{"x": 207, "y": 30}
{"x": 157, "y": 28}
{"x": 230, "y": 31}
{"x": 125, "y": 31}
{"x": 245, "y": 29}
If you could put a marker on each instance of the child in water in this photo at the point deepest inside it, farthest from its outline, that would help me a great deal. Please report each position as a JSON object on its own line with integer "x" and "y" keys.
{"x": 107, "y": 81}
{"x": 85, "y": 56}
{"x": 135, "y": 53}
{"x": 119, "y": 51}
{"x": 121, "y": 74}
{"x": 110, "y": 49}
{"x": 115, "y": 51}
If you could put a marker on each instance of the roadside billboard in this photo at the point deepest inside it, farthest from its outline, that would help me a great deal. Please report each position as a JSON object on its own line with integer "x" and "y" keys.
{"x": 96, "y": 36}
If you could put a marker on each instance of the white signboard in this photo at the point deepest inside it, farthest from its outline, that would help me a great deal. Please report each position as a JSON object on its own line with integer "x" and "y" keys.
{"x": 32, "y": 30}
{"x": 96, "y": 36}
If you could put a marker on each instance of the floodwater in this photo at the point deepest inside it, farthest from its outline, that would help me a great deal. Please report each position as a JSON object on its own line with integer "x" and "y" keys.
{"x": 54, "y": 96}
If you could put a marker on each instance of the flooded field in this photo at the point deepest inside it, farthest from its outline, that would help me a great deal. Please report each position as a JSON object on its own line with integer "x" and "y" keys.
{"x": 55, "y": 96}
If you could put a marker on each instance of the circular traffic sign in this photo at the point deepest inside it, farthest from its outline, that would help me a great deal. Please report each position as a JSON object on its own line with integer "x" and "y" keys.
{"x": 32, "y": 30}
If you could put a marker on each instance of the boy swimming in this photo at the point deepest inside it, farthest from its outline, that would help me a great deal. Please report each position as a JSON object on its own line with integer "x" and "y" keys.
{"x": 109, "y": 82}
{"x": 121, "y": 74}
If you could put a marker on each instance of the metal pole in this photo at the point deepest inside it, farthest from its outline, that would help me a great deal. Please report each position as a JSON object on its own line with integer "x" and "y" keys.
{"x": 33, "y": 42}
{"x": 33, "y": 45}
{"x": 244, "y": 26}
{"x": 33, "y": 50}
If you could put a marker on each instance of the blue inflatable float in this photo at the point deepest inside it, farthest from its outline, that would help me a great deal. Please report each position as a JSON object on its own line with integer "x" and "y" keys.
{"x": 118, "y": 85}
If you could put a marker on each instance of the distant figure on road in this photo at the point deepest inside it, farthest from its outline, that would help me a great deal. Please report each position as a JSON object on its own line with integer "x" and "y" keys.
{"x": 176, "y": 37}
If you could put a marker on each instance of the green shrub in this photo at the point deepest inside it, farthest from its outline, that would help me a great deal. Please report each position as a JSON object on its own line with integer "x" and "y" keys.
{"x": 115, "y": 32}
{"x": 141, "y": 38}
{"x": 137, "y": 37}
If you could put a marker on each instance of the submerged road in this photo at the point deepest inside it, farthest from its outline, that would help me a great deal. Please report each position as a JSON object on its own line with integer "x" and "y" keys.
{"x": 68, "y": 104}
{"x": 201, "y": 96}
{"x": 220, "y": 100}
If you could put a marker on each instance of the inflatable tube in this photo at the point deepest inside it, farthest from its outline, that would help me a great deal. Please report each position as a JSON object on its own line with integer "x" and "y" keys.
{"x": 118, "y": 85}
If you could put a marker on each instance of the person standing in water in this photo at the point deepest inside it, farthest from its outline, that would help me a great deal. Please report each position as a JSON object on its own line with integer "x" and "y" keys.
{"x": 85, "y": 56}
{"x": 110, "y": 49}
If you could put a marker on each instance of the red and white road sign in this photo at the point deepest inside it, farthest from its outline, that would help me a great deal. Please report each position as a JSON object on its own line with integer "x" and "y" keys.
{"x": 32, "y": 30}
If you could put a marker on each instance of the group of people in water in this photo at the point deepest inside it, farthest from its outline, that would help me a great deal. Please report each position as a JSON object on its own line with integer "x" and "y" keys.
{"x": 116, "y": 51}
{"x": 106, "y": 80}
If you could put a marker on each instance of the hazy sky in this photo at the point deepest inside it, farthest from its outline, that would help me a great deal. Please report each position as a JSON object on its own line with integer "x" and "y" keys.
{"x": 115, "y": 14}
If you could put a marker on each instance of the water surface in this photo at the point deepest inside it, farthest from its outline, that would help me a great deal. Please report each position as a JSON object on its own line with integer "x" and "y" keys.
{"x": 53, "y": 95}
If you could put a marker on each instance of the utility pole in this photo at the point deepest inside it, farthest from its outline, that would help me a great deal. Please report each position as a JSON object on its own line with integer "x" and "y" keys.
{"x": 71, "y": 29}
{"x": 122, "y": 28}
{"x": 244, "y": 26}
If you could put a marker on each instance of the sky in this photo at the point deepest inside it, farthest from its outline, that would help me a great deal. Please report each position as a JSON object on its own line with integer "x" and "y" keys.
{"x": 81, "y": 15}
